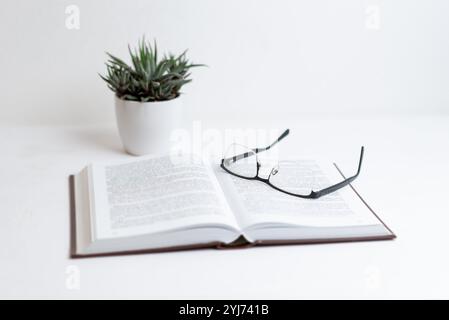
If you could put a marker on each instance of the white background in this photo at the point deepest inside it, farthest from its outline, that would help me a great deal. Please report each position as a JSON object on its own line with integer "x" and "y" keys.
{"x": 270, "y": 57}
{"x": 339, "y": 74}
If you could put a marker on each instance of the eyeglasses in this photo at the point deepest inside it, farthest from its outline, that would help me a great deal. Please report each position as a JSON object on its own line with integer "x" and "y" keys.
{"x": 242, "y": 162}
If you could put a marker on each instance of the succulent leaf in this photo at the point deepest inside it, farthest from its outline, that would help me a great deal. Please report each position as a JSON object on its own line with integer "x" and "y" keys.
{"x": 148, "y": 78}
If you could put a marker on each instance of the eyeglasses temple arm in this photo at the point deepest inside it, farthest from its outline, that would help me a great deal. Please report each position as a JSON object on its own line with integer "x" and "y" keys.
{"x": 335, "y": 187}
{"x": 282, "y": 136}
{"x": 256, "y": 150}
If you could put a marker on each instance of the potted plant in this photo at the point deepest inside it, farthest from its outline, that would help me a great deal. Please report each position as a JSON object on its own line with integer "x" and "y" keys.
{"x": 147, "y": 96}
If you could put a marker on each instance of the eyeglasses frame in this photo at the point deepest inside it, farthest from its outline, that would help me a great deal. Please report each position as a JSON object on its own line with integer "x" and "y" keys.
{"x": 313, "y": 194}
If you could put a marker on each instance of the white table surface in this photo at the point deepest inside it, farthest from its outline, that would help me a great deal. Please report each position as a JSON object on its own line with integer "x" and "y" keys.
{"x": 405, "y": 178}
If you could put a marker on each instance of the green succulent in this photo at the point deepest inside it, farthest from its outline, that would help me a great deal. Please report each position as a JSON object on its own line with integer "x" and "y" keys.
{"x": 148, "y": 78}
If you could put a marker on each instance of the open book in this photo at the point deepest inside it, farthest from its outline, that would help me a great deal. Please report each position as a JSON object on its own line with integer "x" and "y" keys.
{"x": 162, "y": 203}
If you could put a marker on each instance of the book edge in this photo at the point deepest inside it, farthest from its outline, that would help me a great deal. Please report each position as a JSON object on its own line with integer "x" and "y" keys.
{"x": 72, "y": 217}
{"x": 393, "y": 235}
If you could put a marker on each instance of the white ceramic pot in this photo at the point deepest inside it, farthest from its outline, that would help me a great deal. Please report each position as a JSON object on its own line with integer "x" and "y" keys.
{"x": 145, "y": 127}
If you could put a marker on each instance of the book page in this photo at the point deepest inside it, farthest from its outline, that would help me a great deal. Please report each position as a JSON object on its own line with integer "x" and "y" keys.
{"x": 254, "y": 202}
{"x": 155, "y": 194}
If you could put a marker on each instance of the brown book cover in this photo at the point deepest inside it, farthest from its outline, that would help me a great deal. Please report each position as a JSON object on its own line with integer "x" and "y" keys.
{"x": 240, "y": 243}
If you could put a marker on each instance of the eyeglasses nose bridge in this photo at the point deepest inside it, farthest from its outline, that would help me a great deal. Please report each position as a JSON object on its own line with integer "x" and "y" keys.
{"x": 258, "y": 168}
